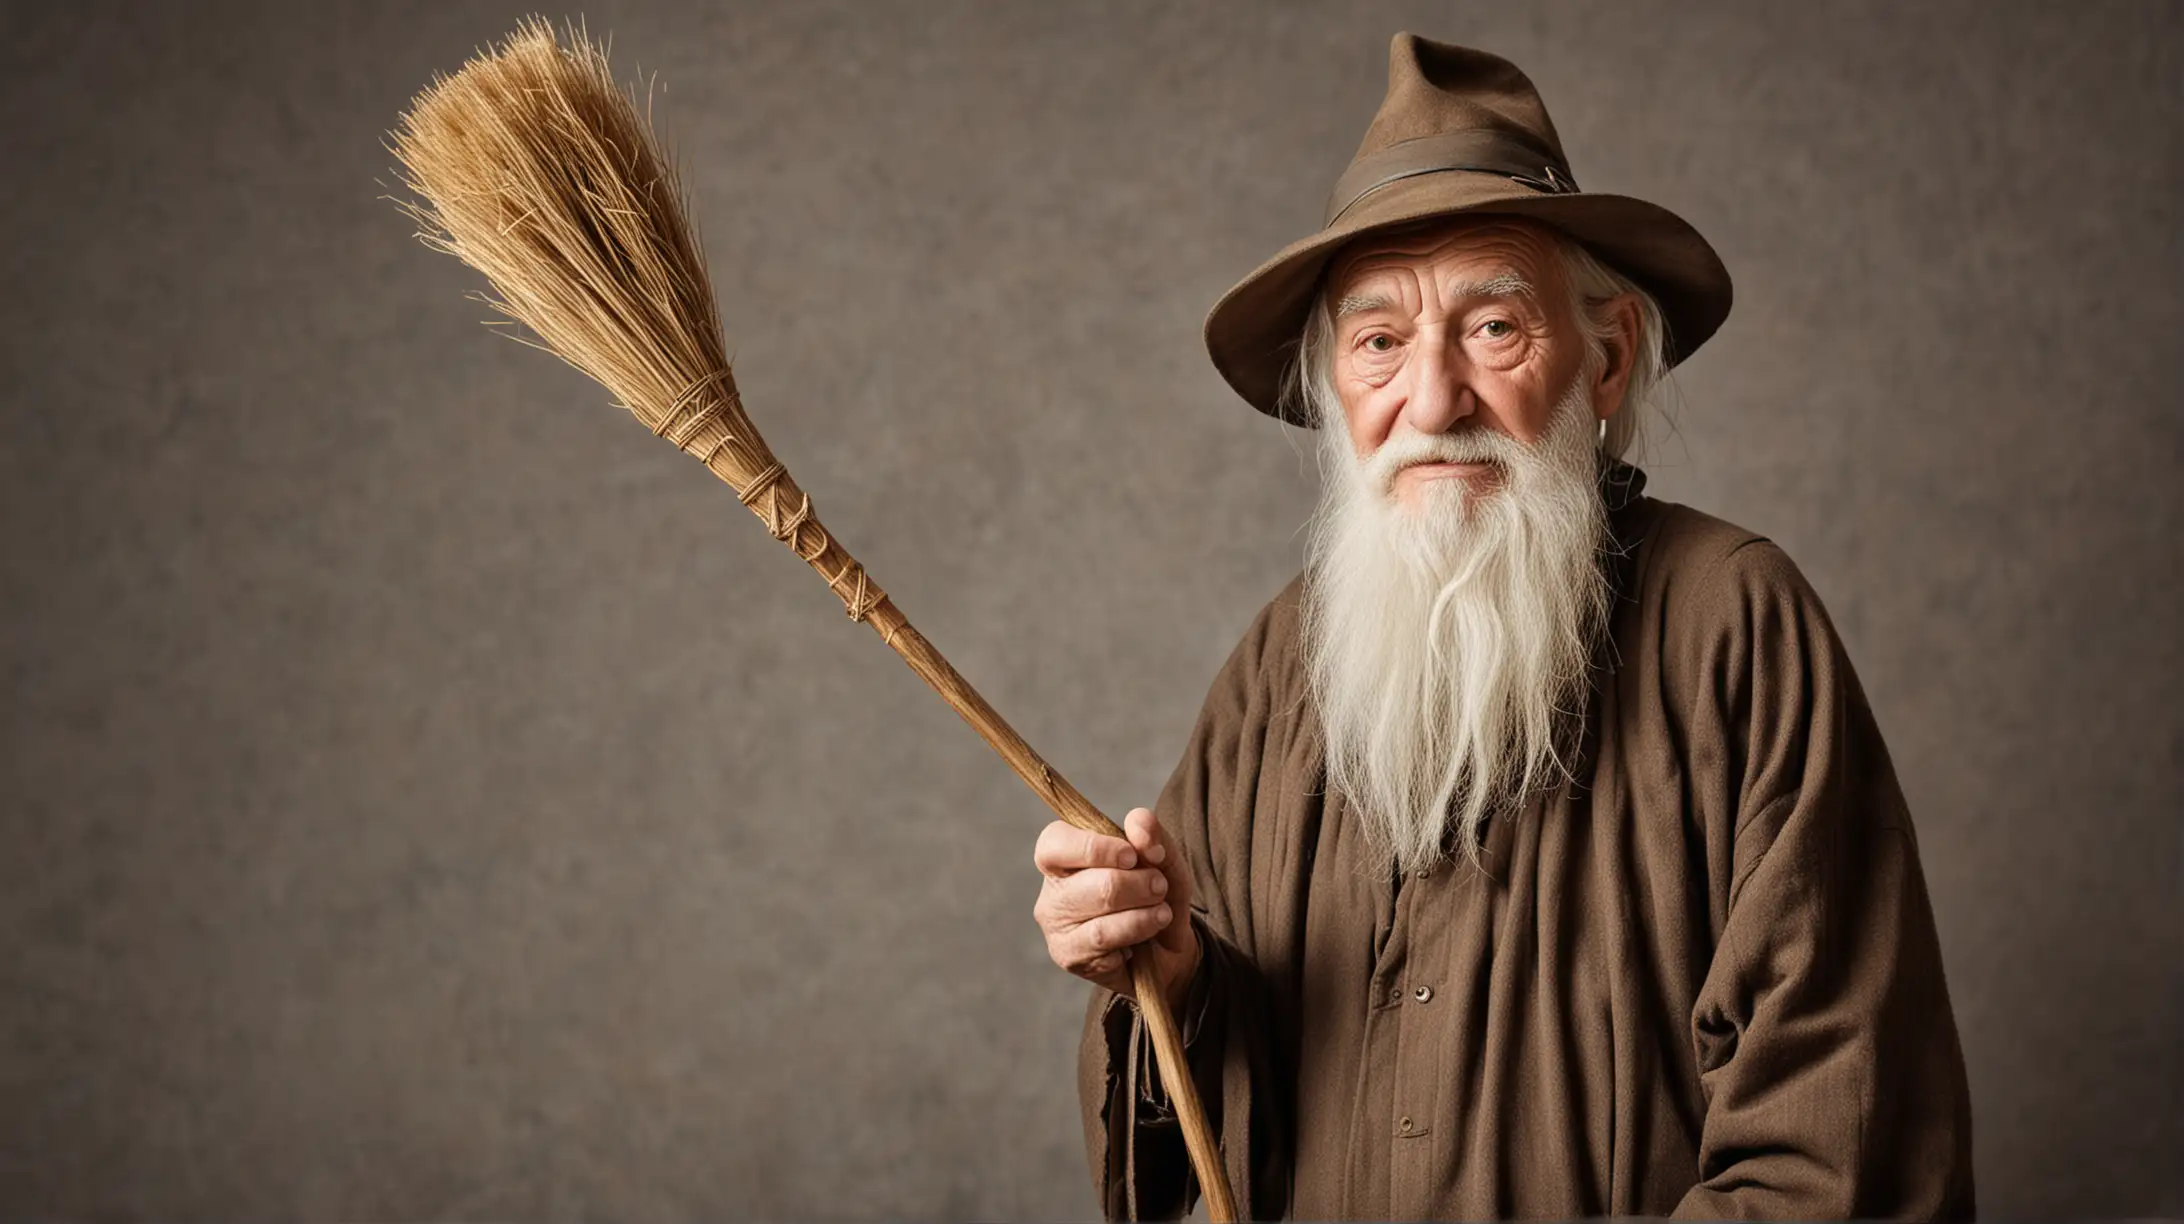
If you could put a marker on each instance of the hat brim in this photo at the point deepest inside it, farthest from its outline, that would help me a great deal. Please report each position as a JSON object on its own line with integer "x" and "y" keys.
{"x": 1253, "y": 331}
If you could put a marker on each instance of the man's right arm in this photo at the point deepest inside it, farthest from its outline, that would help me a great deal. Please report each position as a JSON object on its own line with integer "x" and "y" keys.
{"x": 1206, "y": 818}
{"x": 1105, "y": 902}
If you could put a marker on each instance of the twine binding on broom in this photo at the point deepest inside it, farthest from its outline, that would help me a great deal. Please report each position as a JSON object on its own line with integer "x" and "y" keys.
{"x": 783, "y": 523}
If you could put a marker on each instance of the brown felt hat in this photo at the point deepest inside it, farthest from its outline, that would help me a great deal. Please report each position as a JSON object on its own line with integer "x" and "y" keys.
{"x": 1461, "y": 131}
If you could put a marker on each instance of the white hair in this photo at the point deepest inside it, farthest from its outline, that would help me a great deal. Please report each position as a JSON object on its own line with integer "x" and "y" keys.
{"x": 1448, "y": 642}
{"x": 1592, "y": 285}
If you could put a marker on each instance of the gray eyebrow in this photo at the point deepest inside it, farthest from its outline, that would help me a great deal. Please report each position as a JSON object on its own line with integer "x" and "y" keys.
{"x": 1358, "y": 305}
{"x": 1508, "y": 284}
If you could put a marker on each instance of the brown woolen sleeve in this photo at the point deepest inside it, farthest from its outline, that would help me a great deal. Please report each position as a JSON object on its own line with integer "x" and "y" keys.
{"x": 1827, "y": 1048}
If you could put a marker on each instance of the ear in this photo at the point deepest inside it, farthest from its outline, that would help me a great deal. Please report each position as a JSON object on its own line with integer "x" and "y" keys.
{"x": 1621, "y": 312}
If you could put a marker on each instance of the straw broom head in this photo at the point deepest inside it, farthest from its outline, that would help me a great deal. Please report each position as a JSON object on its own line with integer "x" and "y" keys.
{"x": 531, "y": 165}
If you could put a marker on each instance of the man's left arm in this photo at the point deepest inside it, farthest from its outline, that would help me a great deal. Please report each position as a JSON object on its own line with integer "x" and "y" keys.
{"x": 1826, "y": 1045}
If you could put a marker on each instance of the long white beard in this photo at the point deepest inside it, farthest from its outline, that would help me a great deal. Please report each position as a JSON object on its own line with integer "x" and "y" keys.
{"x": 1448, "y": 641}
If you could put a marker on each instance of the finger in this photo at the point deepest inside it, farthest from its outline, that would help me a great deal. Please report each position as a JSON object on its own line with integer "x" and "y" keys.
{"x": 1084, "y": 895}
{"x": 1142, "y": 827}
{"x": 1114, "y": 932}
{"x": 1063, "y": 848}
{"x": 1103, "y": 965}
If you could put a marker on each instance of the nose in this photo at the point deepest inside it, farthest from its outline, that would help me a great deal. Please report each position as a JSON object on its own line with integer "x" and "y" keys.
{"x": 1440, "y": 388}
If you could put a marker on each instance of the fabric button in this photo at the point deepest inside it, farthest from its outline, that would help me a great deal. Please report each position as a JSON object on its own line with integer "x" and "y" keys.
{"x": 1424, "y": 994}
{"x": 1395, "y": 995}
{"x": 1405, "y": 1126}
{"x": 1423, "y": 872}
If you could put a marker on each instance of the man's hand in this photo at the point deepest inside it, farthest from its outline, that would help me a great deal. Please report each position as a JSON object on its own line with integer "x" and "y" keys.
{"x": 1102, "y": 895}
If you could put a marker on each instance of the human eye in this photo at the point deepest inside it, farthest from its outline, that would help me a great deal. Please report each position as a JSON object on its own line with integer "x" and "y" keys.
{"x": 1377, "y": 342}
{"x": 1497, "y": 329}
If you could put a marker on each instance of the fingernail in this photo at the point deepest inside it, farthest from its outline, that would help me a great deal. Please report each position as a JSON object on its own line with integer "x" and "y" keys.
{"x": 1157, "y": 854}
{"x": 1129, "y": 858}
{"x": 1163, "y": 913}
{"x": 1160, "y": 886}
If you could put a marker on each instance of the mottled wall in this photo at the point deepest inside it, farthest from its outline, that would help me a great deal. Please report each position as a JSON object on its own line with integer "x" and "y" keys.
{"x": 425, "y": 795}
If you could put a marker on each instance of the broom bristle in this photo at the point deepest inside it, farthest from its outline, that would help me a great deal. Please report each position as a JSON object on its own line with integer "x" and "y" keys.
{"x": 531, "y": 165}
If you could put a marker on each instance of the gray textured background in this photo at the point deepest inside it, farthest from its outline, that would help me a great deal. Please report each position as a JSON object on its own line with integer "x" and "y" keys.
{"x": 425, "y": 795}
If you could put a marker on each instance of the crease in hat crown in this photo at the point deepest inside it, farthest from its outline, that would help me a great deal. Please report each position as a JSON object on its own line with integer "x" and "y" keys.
{"x": 1460, "y": 131}
{"x": 1453, "y": 108}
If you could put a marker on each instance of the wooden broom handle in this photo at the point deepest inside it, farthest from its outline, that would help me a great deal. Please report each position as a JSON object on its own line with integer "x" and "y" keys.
{"x": 762, "y": 484}
{"x": 1071, "y": 805}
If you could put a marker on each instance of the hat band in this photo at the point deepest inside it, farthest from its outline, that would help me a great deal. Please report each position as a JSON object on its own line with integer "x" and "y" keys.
{"x": 1486, "y": 152}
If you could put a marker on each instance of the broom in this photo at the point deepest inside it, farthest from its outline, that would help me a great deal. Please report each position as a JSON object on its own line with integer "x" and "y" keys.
{"x": 533, "y": 167}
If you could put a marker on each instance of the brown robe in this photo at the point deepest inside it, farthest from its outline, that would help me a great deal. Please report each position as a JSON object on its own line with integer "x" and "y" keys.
{"x": 1704, "y": 981}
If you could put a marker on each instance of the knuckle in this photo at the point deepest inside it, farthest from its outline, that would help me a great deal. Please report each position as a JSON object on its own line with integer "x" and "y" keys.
{"x": 1111, "y": 895}
{"x": 1047, "y": 851}
{"x": 1067, "y": 953}
{"x": 1066, "y": 900}
{"x": 1098, "y": 936}
{"x": 1123, "y": 929}
{"x": 1083, "y": 960}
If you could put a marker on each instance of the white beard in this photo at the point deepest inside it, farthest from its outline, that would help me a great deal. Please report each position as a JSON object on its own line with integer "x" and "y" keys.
{"x": 1447, "y": 642}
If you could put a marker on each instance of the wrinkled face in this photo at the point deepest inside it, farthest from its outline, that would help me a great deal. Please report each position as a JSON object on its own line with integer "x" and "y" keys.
{"x": 1459, "y": 327}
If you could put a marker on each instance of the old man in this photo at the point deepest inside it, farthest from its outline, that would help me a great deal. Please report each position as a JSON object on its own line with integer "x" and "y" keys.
{"x": 1536, "y": 852}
